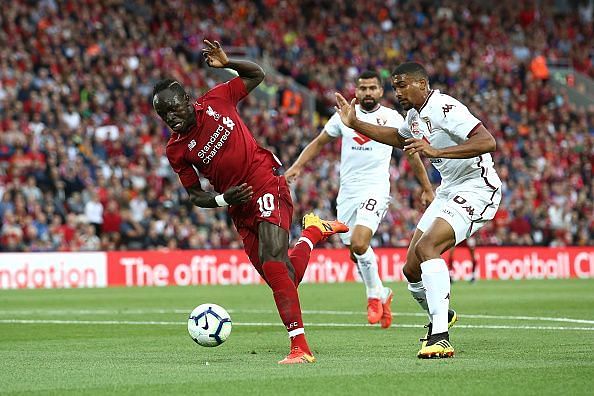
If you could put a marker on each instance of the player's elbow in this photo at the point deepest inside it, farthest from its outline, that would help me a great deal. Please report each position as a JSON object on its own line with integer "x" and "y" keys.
{"x": 487, "y": 144}
{"x": 491, "y": 145}
{"x": 196, "y": 201}
{"x": 255, "y": 79}
{"x": 260, "y": 74}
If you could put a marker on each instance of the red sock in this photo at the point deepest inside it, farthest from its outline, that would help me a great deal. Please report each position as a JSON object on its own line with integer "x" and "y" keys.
{"x": 301, "y": 342}
{"x": 300, "y": 254}
{"x": 287, "y": 301}
{"x": 299, "y": 257}
{"x": 313, "y": 234}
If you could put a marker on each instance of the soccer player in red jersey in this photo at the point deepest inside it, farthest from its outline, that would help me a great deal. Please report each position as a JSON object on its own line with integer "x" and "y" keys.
{"x": 208, "y": 136}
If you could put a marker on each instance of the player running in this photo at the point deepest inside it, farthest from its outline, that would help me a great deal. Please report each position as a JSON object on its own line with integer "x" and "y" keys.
{"x": 208, "y": 136}
{"x": 444, "y": 130}
{"x": 364, "y": 192}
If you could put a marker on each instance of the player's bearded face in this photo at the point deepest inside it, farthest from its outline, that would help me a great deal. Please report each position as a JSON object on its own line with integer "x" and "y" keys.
{"x": 175, "y": 109}
{"x": 368, "y": 93}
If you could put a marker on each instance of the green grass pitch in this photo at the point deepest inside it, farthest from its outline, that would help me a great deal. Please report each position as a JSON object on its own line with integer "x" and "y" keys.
{"x": 525, "y": 337}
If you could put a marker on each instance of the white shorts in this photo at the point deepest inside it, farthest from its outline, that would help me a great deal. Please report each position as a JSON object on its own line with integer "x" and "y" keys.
{"x": 466, "y": 207}
{"x": 363, "y": 210}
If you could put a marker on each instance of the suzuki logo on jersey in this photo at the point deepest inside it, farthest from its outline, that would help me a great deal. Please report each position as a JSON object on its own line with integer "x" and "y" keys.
{"x": 191, "y": 145}
{"x": 228, "y": 122}
{"x": 210, "y": 112}
{"x": 361, "y": 139}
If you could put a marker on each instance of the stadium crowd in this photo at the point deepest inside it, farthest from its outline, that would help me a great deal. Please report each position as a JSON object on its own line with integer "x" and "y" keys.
{"x": 82, "y": 162}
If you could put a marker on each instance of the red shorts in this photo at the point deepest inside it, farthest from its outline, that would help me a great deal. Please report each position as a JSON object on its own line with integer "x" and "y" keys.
{"x": 271, "y": 203}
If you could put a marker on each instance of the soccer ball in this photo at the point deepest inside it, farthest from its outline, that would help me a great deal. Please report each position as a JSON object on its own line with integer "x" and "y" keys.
{"x": 209, "y": 325}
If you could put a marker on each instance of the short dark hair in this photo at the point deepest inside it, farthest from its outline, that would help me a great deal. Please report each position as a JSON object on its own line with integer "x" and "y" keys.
{"x": 369, "y": 74}
{"x": 164, "y": 84}
{"x": 412, "y": 69}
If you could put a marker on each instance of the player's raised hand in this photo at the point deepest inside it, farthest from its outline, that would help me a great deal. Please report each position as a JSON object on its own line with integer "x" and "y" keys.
{"x": 345, "y": 110}
{"x": 214, "y": 54}
{"x": 238, "y": 195}
{"x": 292, "y": 174}
{"x": 412, "y": 146}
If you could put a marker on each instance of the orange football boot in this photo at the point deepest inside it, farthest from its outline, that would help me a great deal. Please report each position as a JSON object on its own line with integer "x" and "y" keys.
{"x": 327, "y": 227}
{"x": 297, "y": 356}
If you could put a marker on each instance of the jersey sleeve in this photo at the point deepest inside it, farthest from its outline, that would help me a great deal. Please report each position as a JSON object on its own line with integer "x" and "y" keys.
{"x": 233, "y": 90}
{"x": 455, "y": 118}
{"x": 404, "y": 130}
{"x": 333, "y": 126}
{"x": 186, "y": 172}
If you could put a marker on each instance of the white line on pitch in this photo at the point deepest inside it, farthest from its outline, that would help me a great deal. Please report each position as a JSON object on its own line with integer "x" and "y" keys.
{"x": 424, "y": 315}
{"x": 269, "y": 311}
{"x": 268, "y": 324}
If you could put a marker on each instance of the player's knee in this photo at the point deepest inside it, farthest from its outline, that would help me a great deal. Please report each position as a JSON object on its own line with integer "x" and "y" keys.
{"x": 425, "y": 249}
{"x": 275, "y": 256}
{"x": 359, "y": 247}
{"x": 275, "y": 253}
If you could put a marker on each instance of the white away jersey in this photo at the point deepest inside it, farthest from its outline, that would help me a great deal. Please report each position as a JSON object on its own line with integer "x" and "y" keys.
{"x": 444, "y": 122}
{"x": 364, "y": 163}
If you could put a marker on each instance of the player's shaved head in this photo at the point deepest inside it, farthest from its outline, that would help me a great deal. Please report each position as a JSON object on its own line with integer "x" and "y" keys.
{"x": 173, "y": 105}
{"x": 168, "y": 83}
{"x": 412, "y": 69}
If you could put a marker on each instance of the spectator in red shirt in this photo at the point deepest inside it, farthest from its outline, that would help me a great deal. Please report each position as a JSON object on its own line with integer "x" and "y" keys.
{"x": 112, "y": 220}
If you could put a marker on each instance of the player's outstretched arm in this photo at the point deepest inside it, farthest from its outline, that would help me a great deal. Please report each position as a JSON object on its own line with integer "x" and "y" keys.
{"x": 235, "y": 195}
{"x": 311, "y": 151}
{"x": 378, "y": 133}
{"x": 250, "y": 73}
{"x": 480, "y": 142}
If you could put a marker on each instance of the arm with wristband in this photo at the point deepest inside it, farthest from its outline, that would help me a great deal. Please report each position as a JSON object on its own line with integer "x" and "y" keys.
{"x": 235, "y": 195}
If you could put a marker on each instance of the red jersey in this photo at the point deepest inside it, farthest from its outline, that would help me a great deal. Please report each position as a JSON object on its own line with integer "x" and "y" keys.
{"x": 220, "y": 146}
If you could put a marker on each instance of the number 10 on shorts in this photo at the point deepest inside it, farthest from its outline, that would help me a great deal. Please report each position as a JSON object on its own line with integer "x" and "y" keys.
{"x": 266, "y": 204}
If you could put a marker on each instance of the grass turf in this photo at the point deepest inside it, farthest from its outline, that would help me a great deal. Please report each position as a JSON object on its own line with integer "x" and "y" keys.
{"x": 496, "y": 354}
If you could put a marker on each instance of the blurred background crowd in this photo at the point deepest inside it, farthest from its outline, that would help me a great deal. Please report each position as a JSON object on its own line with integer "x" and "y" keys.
{"x": 82, "y": 161}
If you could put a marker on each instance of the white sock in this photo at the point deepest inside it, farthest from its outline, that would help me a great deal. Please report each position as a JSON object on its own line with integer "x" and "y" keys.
{"x": 385, "y": 293}
{"x": 367, "y": 264}
{"x": 418, "y": 292}
{"x": 436, "y": 280}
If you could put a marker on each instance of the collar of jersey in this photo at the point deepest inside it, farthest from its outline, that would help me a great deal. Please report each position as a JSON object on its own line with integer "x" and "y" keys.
{"x": 427, "y": 99}
{"x": 372, "y": 111}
